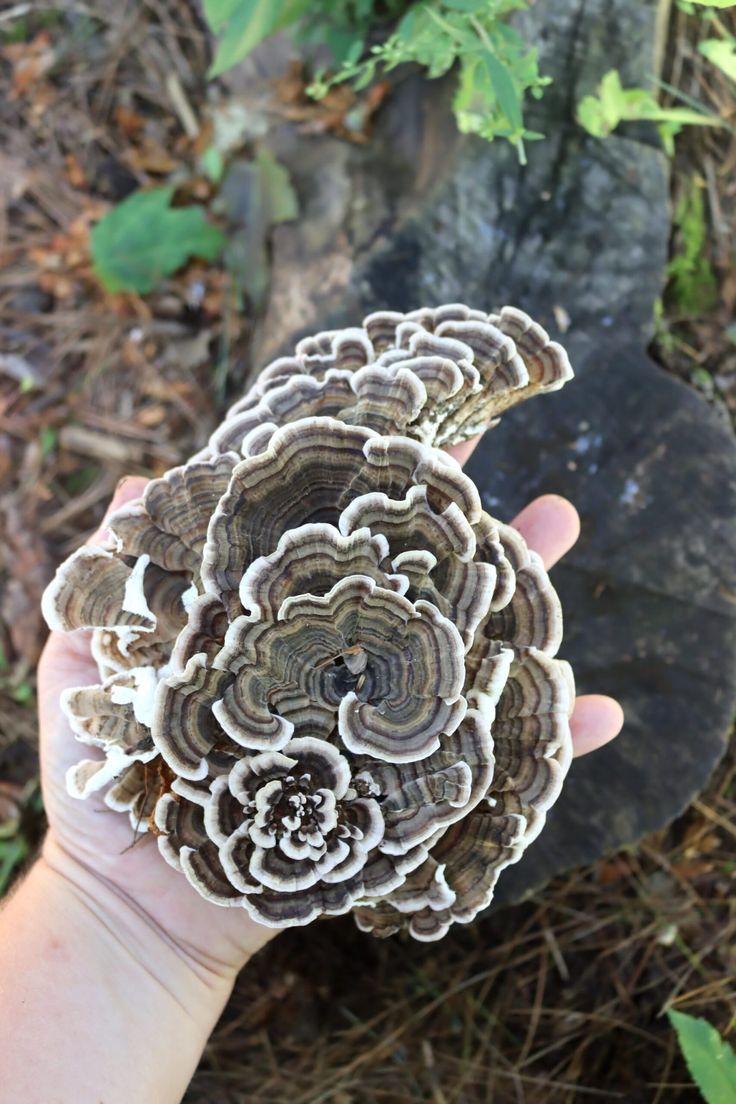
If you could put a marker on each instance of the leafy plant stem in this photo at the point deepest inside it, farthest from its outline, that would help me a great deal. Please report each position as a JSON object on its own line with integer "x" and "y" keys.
{"x": 483, "y": 36}
{"x": 691, "y": 102}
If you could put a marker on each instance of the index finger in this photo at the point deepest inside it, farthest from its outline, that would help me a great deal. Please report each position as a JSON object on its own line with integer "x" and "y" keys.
{"x": 66, "y": 659}
{"x": 129, "y": 488}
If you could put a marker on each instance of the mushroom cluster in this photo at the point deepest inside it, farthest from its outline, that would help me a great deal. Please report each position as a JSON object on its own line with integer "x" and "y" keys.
{"x": 327, "y": 676}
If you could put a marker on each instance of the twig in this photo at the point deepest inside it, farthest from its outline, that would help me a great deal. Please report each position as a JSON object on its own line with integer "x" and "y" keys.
{"x": 181, "y": 104}
{"x": 14, "y": 13}
{"x": 661, "y": 33}
{"x": 720, "y": 226}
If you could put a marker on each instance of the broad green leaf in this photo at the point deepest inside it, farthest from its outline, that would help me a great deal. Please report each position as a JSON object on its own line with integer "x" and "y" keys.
{"x": 711, "y": 1061}
{"x": 714, "y": 3}
{"x": 217, "y": 12}
{"x": 247, "y": 23}
{"x": 512, "y": 38}
{"x": 592, "y": 117}
{"x": 345, "y": 46}
{"x": 473, "y": 7}
{"x": 143, "y": 239}
{"x": 600, "y": 114}
{"x": 505, "y": 89}
{"x": 610, "y": 89}
{"x": 722, "y": 53}
{"x": 407, "y": 26}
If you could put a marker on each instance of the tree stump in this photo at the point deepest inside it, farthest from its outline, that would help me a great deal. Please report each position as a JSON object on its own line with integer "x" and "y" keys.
{"x": 578, "y": 238}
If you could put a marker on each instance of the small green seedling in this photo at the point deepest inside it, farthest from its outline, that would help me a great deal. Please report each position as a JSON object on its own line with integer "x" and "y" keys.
{"x": 613, "y": 104}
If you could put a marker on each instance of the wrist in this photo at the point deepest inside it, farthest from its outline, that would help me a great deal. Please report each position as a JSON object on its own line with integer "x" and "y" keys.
{"x": 130, "y": 931}
{"x": 101, "y": 1004}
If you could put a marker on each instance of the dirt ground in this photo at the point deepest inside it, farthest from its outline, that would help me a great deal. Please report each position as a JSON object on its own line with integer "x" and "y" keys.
{"x": 558, "y": 1000}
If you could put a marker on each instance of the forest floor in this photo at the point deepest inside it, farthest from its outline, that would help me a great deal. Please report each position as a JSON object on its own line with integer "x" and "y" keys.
{"x": 557, "y": 1001}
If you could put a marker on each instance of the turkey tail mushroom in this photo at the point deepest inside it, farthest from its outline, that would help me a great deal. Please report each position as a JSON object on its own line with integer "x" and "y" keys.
{"x": 327, "y": 677}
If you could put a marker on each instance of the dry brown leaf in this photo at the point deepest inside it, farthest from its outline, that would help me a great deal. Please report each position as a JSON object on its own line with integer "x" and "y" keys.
{"x": 612, "y": 870}
{"x": 151, "y": 416}
{"x": 31, "y": 61}
{"x": 127, "y": 120}
{"x": 152, "y": 157}
{"x": 76, "y": 175}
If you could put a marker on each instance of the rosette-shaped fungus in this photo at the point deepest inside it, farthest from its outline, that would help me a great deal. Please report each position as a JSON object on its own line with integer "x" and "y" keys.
{"x": 327, "y": 676}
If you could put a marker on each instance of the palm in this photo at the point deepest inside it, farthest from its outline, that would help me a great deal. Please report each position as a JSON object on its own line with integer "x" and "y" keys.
{"x": 103, "y": 840}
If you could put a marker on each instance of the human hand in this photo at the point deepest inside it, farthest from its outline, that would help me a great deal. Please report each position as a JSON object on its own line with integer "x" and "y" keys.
{"x": 90, "y": 834}
{"x": 550, "y": 525}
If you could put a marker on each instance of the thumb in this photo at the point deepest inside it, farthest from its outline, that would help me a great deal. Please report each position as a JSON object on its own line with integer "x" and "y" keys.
{"x": 65, "y": 650}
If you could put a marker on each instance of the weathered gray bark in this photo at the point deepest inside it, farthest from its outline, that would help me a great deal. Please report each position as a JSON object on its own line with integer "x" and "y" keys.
{"x": 423, "y": 216}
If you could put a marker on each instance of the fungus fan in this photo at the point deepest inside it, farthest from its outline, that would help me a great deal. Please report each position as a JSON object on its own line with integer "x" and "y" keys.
{"x": 327, "y": 676}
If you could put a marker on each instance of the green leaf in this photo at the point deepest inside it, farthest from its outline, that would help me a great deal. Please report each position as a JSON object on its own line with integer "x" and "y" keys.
{"x": 601, "y": 114}
{"x": 47, "y": 439}
{"x": 254, "y": 197}
{"x": 407, "y": 27}
{"x": 217, "y": 12}
{"x": 23, "y": 693}
{"x": 714, "y": 3}
{"x": 144, "y": 239}
{"x": 720, "y": 52}
{"x": 668, "y": 132}
{"x": 344, "y": 46}
{"x": 472, "y": 6}
{"x": 244, "y": 24}
{"x": 684, "y": 116}
{"x": 213, "y": 164}
{"x": 711, "y": 1061}
{"x": 591, "y": 117}
{"x": 505, "y": 89}
{"x": 12, "y": 853}
{"x": 496, "y": 66}
{"x": 276, "y": 183}
{"x": 693, "y": 284}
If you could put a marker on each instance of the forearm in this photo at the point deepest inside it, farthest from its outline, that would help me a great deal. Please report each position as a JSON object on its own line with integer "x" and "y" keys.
{"x": 97, "y": 1003}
